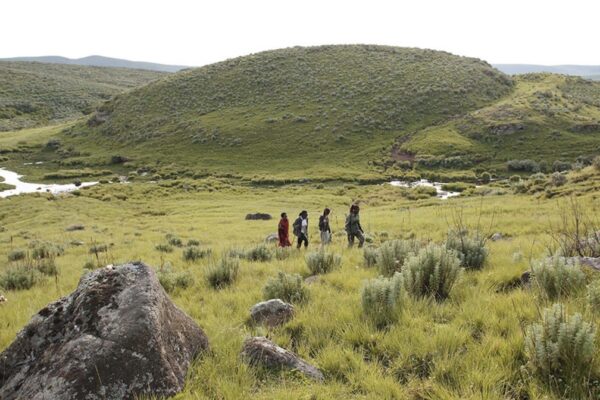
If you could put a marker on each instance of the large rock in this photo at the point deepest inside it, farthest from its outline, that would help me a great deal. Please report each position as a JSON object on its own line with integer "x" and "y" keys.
{"x": 258, "y": 216}
{"x": 261, "y": 351}
{"x": 272, "y": 312}
{"x": 592, "y": 262}
{"x": 117, "y": 336}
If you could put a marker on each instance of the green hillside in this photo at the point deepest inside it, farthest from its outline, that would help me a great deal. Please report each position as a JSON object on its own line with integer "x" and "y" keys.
{"x": 547, "y": 118}
{"x": 33, "y": 94}
{"x": 297, "y": 111}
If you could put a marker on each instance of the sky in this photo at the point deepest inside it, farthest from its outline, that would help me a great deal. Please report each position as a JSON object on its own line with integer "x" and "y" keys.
{"x": 196, "y": 32}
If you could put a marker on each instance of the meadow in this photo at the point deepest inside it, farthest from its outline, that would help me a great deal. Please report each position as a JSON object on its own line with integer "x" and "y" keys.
{"x": 468, "y": 346}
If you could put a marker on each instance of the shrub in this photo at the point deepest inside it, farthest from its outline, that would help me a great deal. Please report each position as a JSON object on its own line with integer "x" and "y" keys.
{"x": 283, "y": 253}
{"x": 193, "y": 242}
{"x": 170, "y": 280}
{"x": 485, "y": 177}
{"x": 470, "y": 248}
{"x": 557, "y": 277}
{"x": 19, "y": 278}
{"x": 17, "y": 255}
{"x": 174, "y": 240}
{"x": 560, "y": 166}
{"x": 515, "y": 178}
{"x": 392, "y": 254}
{"x": 98, "y": 248}
{"x": 596, "y": 163}
{"x": 193, "y": 253}
{"x": 322, "y": 262}
{"x": 523, "y": 165}
{"x": 287, "y": 287}
{"x": 259, "y": 253}
{"x": 538, "y": 178}
{"x": 165, "y": 248}
{"x": 47, "y": 266}
{"x": 433, "y": 271}
{"x": 381, "y": 299}
{"x": 560, "y": 348}
{"x": 593, "y": 296}
{"x": 558, "y": 179}
{"x": 223, "y": 273}
{"x": 370, "y": 256}
{"x": 45, "y": 249}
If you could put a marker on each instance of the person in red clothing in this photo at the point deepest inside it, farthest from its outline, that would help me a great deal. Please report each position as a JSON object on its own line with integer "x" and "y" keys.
{"x": 284, "y": 231}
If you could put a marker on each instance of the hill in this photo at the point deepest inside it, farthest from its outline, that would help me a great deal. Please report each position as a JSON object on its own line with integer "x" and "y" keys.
{"x": 306, "y": 111}
{"x": 100, "y": 61}
{"x": 33, "y": 94}
{"x": 547, "y": 118}
{"x": 586, "y": 71}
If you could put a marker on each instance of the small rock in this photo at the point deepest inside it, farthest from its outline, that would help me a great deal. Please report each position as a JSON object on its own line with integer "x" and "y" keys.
{"x": 3, "y": 299}
{"x": 497, "y": 236}
{"x": 526, "y": 279}
{"x": 75, "y": 227}
{"x": 273, "y": 237}
{"x": 272, "y": 312}
{"x": 311, "y": 279}
{"x": 258, "y": 216}
{"x": 261, "y": 351}
{"x": 76, "y": 243}
{"x": 592, "y": 262}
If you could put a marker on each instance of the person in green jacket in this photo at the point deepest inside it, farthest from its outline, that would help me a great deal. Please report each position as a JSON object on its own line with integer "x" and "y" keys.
{"x": 353, "y": 228}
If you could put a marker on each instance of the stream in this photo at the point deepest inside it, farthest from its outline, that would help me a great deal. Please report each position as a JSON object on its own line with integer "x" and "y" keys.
{"x": 442, "y": 194}
{"x": 14, "y": 179}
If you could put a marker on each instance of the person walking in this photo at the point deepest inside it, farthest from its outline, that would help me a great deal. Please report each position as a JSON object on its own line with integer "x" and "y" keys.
{"x": 301, "y": 229}
{"x": 353, "y": 228}
{"x": 324, "y": 227}
{"x": 283, "y": 231}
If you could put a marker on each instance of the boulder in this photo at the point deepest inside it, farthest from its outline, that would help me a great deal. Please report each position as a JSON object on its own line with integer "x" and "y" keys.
{"x": 117, "y": 336}
{"x": 261, "y": 351}
{"x": 258, "y": 216}
{"x": 3, "y": 299}
{"x": 526, "y": 279}
{"x": 273, "y": 237}
{"x": 75, "y": 227}
{"x": 272, "y": 312}
{"x": 496, "y": 236}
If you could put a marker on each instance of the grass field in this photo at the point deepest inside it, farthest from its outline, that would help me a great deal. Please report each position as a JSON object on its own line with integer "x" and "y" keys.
{"x": 470, "y": 346}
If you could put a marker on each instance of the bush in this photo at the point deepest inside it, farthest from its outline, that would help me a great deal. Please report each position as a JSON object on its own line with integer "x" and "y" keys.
{"x": 165, "y": 248}
{"x": 370, "y": 256}
{"x": 174, "y": 240}
{"x": 193, "y": 242}
{"x": 259, "y": 253}
{"x": 322, "y": 262}
{"x": 170, "y": 280}
{"x": 560, "y": 348}
{"x": 557, "y": 277}
{"x": 431, "y": 272}
{"x": 596, "y": 163}
{"x": 392, "y": 254}
{"x": 283, "y": 253}
{"x": 98, "y": 248}
{"x": 523, "y": 165}
{"x": 45, "y": 249}
{"x": 381, "y": 299}
{"x": 485, "y": 177}
{"x": 470, "y": 249}
{"x": 193, "y": 253}
{"x": 47, "y": 266}
{"x": 560, "y": 166}
{"x": 223, "y": 273}
{"x": 17, "y": 255}
{"x": 19, "y": 279}
{"x": 287, "y": 287}
{"x": 558, "y": 179}
{"x": 515, "y": 179}
{"x": 593, "y": 296}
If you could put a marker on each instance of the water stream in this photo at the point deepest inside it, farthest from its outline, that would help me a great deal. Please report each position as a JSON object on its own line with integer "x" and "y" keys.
{"x": 14, "y": 179}
{"x": 442, "y": 194}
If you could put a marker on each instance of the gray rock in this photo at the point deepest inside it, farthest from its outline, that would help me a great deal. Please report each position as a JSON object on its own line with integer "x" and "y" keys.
{"x": 273, "y": 237}
{"x": 311, "y": 279}
{"x": 592, "y": 262}
{"x": 3, "y": 299}
{"x": 75, "y": 227}
{"x": 117, "y": 336}
{"x": 526, "y": 279}
{"x": 261, "y": 351}
{"x": 272, "y": 312}
{"x": 496, "y": 236}
{"x": 258, "y": 216}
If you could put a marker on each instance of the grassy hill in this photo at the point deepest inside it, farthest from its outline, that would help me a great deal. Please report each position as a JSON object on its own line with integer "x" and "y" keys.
{"x": 300, "y": 111}
{"x": 546, "y": 118}
{"x": 34, "y": 94}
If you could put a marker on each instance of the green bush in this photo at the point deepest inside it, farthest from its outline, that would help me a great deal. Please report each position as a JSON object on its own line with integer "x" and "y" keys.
{"x": 470, "y": 248}
{"x": 174, "y": 240}
{"x": 382, "y": 298}
{"x": 556, "y": 277}
{"x": 560, "y": 348}
{"x": 223, "y": 273}
{"x": 193, "y": 242}
{"x": 170, "y": 280}
{"x": 433, "y": 271}
{"x": 322, "y": 262}
{"x": 392, "y": 255}
{"x": 47, "y": 266}
{"x": 17, "y": 255}
{"x": 515, "y": 178}
{"x": 287, "y": 287}
{"x": 596, "y": 163}
{"x": 485, "y": 177}
{"x": 283, "y": 253}
{"x": 165, "y": 248}
{"x": 19, "y": 278}
{"x": 558, "y": 179}
{"x": 193, "y": 253}
{"x": 259, "y": 253}
{"x": 593, "y": 296}
{"x": 370, "y": 256}
{"x": 42, "y": 249}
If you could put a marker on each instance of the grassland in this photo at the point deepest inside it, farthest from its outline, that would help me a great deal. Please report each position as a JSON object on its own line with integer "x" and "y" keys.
{"x": 34, "y": 94}
{"x": 469, "y": 346}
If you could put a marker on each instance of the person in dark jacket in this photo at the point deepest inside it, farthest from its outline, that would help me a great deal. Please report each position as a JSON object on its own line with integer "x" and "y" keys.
{"x": 353, "y": 228}
{"x": 301, "y": 229}
{"x": 283, "y": 231}
{"x": 324, "y": 227}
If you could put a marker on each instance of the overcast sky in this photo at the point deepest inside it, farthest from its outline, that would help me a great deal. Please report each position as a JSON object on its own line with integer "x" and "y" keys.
{"x": 196, "y": 32}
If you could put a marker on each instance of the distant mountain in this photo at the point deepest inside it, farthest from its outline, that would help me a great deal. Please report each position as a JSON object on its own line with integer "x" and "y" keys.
{"x": 586, "y": 71}
{"x": 100, "y": 61}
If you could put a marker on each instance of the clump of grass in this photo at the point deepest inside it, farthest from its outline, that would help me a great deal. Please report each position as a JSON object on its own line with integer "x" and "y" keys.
{"x": 41, "y": 249}
{"x": 259, "y": 253}
{"x": 19, "y": 278}
{"x": 287, "y": 287}
{"x": 174, "y": 240}
{"x": 193, "y": 242}
{"x": 47, "y": 266}
{"x": 322, "y": 262}
{"x": 382, "y": 299}
{"x": 171, "y": 280}
{"x": 223, "y": 273}
{"x": 470, "y": 248}
{"x": 560, "y": 348}
{"x": 557, "y": 277}
{"x": 370, "y": 256}
{"x": 17, "y": 255}
{"x": 283, "y": 253}
{"x": 98, "y": 248}
{"x": 593, "y": 296}
{"x": 193, "y": 253}
{"x": 392, "y": 255}
{"x": 164, "y": 248}
{"x": 433, "y": 271}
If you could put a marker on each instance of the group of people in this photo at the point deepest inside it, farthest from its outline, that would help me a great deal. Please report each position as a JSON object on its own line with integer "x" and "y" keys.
{"x": 300, "y": 228}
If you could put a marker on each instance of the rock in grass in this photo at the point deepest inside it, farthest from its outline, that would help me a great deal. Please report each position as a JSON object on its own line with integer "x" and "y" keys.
{"x": 3, "y": 299}
{"x": 75, "y": 227}
{"x": 526, "y": 279}
{"x": 496, "y": 237}
{"x": 272, "y": 312}
{"x": 261, "y": 351}
{"x": 273, "y": 237}
{"x": 258, "y": 216}
{"x": 592, "y": 262}
{"x": 117, "y": 336}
